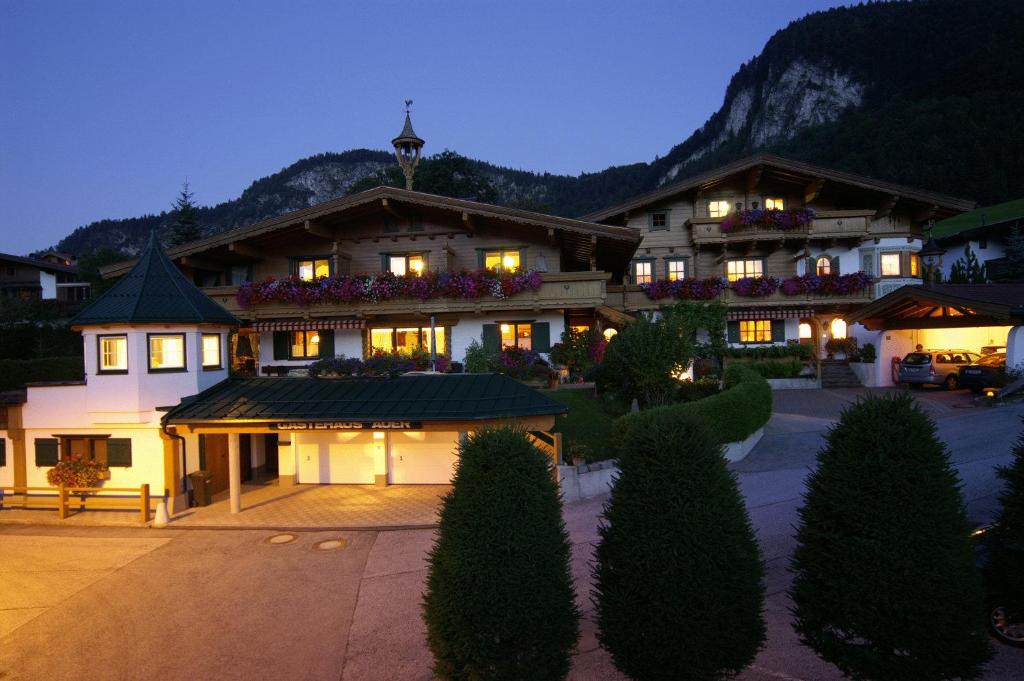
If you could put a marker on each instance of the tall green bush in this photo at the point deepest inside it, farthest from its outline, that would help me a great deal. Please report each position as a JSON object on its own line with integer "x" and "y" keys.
{"x": 499, "y": 601}
{"x": 1005, "y": 572}
{"x": 678, "y": 580}
{"x": 885, "y": 587}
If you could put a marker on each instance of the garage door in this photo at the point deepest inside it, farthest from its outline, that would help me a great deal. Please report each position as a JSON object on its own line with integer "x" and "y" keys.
{"x": 339, "y": 458}
{"x": 423, "y": 458}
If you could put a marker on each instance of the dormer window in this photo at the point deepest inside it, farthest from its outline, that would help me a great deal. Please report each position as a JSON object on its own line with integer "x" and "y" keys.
{"x": 406, "y": 264}
{"x": 166, "y": 351}
{"x": 113, "y": 354}
{"x": 718, "y": 209}
{"x": 309, "y": 269}
{"x": 774, "y": 204}
{"x": 503, "y": 260}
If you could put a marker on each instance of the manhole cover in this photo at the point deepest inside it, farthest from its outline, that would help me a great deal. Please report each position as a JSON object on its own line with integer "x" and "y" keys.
{"x": 330, "y": 544}
{"x": 281, "y": 539}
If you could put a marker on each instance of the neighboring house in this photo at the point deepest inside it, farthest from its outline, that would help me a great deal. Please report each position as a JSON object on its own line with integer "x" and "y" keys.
{"x": 775, "y": 219}
{"x": 985, "y": 230}
{"x": 563, "y": 266}
{"x": 41, "y": 279}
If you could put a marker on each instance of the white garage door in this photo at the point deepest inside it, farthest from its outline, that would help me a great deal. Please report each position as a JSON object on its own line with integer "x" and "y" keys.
{"x": 339, "y": 458}
{"x": 423, "y": 458}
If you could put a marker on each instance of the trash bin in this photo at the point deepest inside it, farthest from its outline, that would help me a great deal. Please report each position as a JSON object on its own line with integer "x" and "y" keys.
{"x": 202, "y": 481}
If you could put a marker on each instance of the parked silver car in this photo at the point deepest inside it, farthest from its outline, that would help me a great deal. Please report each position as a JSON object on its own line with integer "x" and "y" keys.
{"x": 935, "y": 367}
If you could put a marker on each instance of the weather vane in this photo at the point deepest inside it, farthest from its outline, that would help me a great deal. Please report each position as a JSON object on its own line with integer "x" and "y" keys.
{"x": 408, "y": 103}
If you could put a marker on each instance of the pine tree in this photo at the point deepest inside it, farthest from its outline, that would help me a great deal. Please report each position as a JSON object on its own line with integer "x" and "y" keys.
{"x": 1014, "y": 258}
{"x": 679, "y": 580}
{"x": 967, "y": 270}
{"x": 499, "y": 601}
{"x": 1005, "y": 571}
{"x": 885, "y": 584}
{"x": 185, "y": 227}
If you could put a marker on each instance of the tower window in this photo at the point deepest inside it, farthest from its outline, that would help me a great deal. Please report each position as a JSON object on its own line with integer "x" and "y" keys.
{"x": 113, "y": 354}
{"x": 166, "y": 351}
{"x": 211, "y": 351}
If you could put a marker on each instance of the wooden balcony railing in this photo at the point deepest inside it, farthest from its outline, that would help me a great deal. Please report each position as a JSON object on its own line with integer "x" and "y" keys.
{"x": 632, "y": 299}
{"x": 838, "y": 224}
{"x": 558, "y": 290}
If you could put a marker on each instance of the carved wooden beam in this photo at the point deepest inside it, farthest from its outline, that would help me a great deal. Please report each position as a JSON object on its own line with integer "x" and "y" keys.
{"x": 886, "y": 208}
{"x": 551, "y": 236}
{"x": 315, "y": 229}
{"x": 926, "y": 214}
{"x": 245, "y": 251}
{"x": 812, "y": 190}
{"x": 754, "y": 177}
{"x": 469, "y": 222}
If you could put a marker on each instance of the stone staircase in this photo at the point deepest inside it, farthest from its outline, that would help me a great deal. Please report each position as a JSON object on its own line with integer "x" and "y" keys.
{"x": 836, "y": 373}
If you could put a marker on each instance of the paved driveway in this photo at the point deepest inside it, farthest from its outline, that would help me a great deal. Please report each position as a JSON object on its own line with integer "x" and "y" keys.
{"x": 226, "y": 604}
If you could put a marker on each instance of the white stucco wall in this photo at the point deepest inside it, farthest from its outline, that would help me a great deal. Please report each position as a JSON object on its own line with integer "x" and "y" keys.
{"x": 472, "y": 328}
{"x": 347, "y": 343}
{"x": 7, "y": 470}
{"x": 993, "y": 249}
{"x": 1015, "y": 347}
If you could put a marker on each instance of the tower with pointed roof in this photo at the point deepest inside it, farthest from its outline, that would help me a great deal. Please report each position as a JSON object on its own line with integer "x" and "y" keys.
{"x": 407, "y": 148}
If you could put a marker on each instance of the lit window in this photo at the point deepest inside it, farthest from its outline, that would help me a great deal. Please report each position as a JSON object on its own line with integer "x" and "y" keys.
{"x": 167, "y": 352}
{"x": 517, "y": 336}
{"x": 740, "y": 269}
{"x": 580, "y": 328}
{"x": 211, "y": 350}
{"x": 113, "y": 353}
{"x": 804, "y": 330}
{"x": 659, "y": 220}
{"x": 643, "y": 272}
{"x": 406, "y": 264}
{"x": 756, "y": 331}
{"x": 915, "y": 266}
{"x": 774, "y": 204}
{"x": 676, "y": 270}
{"x": 304, "y": 344}
{"x": 823, "y": 266}
{"x": 718, "y": 209}
{"x": 890, "y": 264}
{"x": 610, "y": 333}
{"x": 407, "y": 340}
{"x": 502, "y": 260}
{"x": 314, "y": 268}
{"x": 838, "y": 328}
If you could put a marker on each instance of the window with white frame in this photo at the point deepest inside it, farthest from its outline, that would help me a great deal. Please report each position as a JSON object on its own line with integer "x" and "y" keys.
{"x": 890, "y": 263}
{"x": 113, "y": 354}
{"x": 744, "y": 267}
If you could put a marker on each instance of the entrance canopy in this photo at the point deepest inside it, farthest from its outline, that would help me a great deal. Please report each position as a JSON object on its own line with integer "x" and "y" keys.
{"x": 410, "y": 399}
{"x": 944, "y": 306}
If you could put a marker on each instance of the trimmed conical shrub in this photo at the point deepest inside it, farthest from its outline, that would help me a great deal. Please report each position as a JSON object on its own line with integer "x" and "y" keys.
{"x": 499, "y": 602}
{"x": 885, "y": 583}
{"x": 678, "y": 579}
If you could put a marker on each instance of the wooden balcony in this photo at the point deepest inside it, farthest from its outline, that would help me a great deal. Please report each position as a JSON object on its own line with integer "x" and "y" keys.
{"x": 633, "y": 299}
{"x": 836, "y": 224}
{"x": 558, "y": 290}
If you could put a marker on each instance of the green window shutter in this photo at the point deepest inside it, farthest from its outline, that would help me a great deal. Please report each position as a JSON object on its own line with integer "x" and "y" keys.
{"x": 732, "y": 332}
{"x": 46, "y": 451}
{"x": 541, "y": 337}
{"x": 3, "y": 451}
{"x": 778, "y": 331}
{"x": 491, "y": 339}
{"x": 293, "y": 266}
{"x": 480, "y": 257}
{"x": 834, "y": 262}
{"x": 281, "y": 343}
{"x": 812, "y": 266}
{"x": 867, "y": 261}
{"x": 384, "y": 262}
{"x": 119, "y": 452}
{"x": 327, "y": 343}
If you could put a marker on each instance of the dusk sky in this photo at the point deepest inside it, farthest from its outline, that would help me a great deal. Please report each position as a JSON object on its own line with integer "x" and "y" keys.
{"x": 106, "y": 107}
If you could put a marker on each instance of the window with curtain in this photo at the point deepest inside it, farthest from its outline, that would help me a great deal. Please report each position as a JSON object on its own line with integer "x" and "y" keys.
{"x": 113, "y": 354}
{"x": 211, "y": 351}
{"x": 517, "y": 336}
{"x": 505, "y": 260}
{"x": 405, "y": 340}
{"x": 756, "y": 331}
{"x": 309, "y": 269}
{"x": 167, "y": 352}
{"x": 304, "y": 344}
{"x": 412, "y": 263}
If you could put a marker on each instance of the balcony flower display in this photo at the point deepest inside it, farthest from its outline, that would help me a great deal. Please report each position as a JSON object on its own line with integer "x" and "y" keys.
{"x": 755, "y": 287}
{"x": 76, "y": 472}
{"x": 684, "y": 289}
{"x": 384, "y": 286}
{"x": 828, "y": 284}
{"x": 769, "y": 219}
{"x": 380, "y": 364}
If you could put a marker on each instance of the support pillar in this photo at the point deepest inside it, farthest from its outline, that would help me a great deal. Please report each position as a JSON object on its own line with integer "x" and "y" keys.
{"x": 235, "y": 472}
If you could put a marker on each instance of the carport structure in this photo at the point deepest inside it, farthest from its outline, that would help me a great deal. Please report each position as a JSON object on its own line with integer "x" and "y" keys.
{"x": 966, "y": 316}
{"x": 400, "y": 430}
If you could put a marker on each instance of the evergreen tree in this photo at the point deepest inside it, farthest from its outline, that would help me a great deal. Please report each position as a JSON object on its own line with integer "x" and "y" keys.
{"x": 967, "y": 270}
{"x": 885, "y": 583}
{"x": 1005, "y": 571}
{"x": 678, "y": 579}
{"x": 185, "y": 227}
{"x": 499, "y": 601}
{"x": 1013, "y": 270}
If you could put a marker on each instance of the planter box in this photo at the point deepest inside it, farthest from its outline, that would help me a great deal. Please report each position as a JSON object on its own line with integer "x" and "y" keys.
{"x": 793, "y": 383}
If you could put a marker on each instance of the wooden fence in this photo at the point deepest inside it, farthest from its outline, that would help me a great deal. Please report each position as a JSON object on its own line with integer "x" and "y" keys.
{"x": 66, "y": 499}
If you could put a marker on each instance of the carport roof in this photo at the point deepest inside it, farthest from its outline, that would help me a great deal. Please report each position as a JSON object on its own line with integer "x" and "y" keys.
{"x": 415, "y": 397}
{"x": 944, "y": 306}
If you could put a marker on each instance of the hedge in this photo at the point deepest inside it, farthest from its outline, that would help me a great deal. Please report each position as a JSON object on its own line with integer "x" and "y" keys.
{"x": 15, "y": 373}
{"x": 732, "y": 415}
{"x": 802, "y": 351}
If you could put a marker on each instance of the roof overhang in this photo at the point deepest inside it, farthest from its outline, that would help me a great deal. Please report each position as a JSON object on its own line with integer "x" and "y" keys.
{"x": 921, "y": 307}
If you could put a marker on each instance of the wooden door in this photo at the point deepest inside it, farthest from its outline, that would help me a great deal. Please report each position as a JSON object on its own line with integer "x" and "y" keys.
{"x": 216, "y": 454}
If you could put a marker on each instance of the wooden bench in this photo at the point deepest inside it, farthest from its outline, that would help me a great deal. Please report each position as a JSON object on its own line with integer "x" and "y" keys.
{"x": 64, "y": 498}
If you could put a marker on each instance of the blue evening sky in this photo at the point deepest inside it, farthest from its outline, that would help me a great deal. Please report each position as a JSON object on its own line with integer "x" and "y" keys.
{"x": 105, "y": 107}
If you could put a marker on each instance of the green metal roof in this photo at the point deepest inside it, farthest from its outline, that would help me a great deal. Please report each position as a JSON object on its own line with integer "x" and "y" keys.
{"x": 980, "y": 217}
{"x": 154, "y": 292}
{"x": 412, "y": 397}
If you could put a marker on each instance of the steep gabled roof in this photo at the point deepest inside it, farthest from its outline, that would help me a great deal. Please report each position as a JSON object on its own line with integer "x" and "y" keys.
{"x": 38, "y": 263}
{"x": 438, "y": 397}
{"x": 799, "y": 167}
{"x": 944, "y": 305}
{"x": 153, "y": 292}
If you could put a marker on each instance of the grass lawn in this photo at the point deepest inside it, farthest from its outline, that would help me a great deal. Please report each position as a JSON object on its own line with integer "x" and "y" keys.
{"x": 589, "y": 421}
